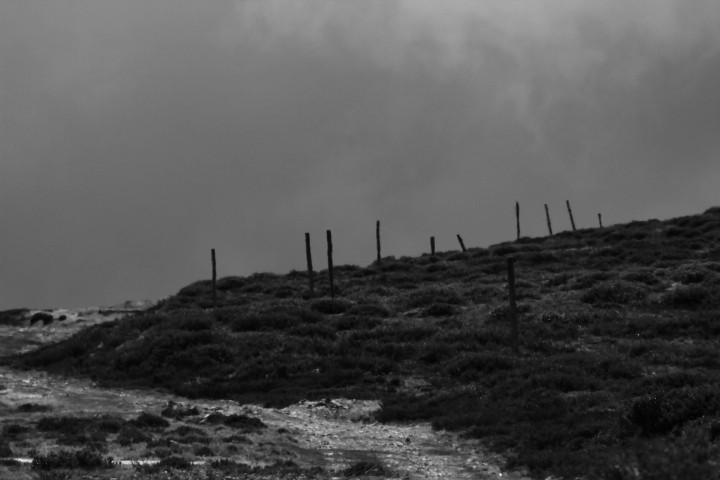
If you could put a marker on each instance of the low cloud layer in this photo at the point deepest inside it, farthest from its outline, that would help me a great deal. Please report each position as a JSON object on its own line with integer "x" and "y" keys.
{"x": 135, "y": 136}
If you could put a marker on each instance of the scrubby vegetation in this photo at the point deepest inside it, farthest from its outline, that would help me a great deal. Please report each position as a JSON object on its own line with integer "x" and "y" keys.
{"x": 617, "y": 376}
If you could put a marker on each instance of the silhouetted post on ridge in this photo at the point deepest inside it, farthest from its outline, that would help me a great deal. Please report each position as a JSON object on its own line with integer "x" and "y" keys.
{"x": 330, "y": 264}
{"x": 513, "y": 306}
{"x": 517, "y": 218}
{"x": 377, "y": 241}
{"x": 432, "y": 245}
{"x": 572, "y": 222}
{"x": 214, "y": 279}
{"x": 600, "y": 219}
{"x": 547, "y": 215}
{"x": 462, "y": 245}
{"x": 308, "y": 254}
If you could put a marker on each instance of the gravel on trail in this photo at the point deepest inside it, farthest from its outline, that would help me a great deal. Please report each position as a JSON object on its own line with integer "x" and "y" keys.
{"x": 331, "y": 433}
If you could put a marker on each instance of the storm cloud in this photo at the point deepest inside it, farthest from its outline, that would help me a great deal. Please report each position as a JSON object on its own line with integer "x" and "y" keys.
{"x": 135, "y": 136}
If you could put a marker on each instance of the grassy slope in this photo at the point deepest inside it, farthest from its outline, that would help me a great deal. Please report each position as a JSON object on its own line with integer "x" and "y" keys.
{"x": 619, "y": 333}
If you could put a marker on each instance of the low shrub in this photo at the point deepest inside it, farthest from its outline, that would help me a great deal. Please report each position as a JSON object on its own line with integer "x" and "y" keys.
{"x": 437, "y": 352}
{"x": 368, "y": 310}
{"x": 690, "y": 456}
{"x": 230, "y": 283}
{"x": 330, "y": 306}
{"x": 495, "y": 268}
{"x": 541, "y": 257}
{"x": 197, "y": 289}
{"x": 644, "y": 275}
{"x": 149, "y": 421}
{"x": 254, "y": 322}
{"x": 589, "y": 280}
{"x": 33, "y": 407}
{"x": 440, "y": 310}
{"x": 13, "y": 317}
{"x": 355, "y": 323}
{"x": 660, "y": 412}
{"x": 43, "y": 317}
{"x": 284, "y": 292}
{"x": 313, "y": 330}
{"x": 237, "y": 421}
{"x": 185, "y": 431}
{"x": 177, "y": 412}
{"x": 618, "y": 291}
{"x": 66, "y": 459}
{"x": 365, "y": 468}
{"x": 13, "y": 430}
{"x": 472, "y": 366}
{"x": 683, "y": 296}
{"x": 130, "y": 435}
{"x": 504, "y": 250}
{"x": 5, "y": 450}
{"x": 690, "y": 274}
{"x": 437, "y": 267}
{"x": 426, "y": 296}
{"x": 63, "y": 424}
{"x": 502, "y": 313}
{"x": 190, "y": 321}
{"x": 203, "y": 451}
{"x": 173, "y": 462}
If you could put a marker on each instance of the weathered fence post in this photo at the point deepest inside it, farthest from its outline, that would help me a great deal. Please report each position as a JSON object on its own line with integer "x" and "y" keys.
{"x": 330, "y": 264}
{"x": 600, "y": 219}
{"x": 377, "y": 241}
{"x": 462, "y": 245}
{"x": 214, "y": 279}
{"x": 572, "y": 222}
{"x": 308, "y": 254}
{"x": 513, "y": 306}
{"x": 517, "y": 218}
{"x": 432, "y": 245}
{"x": 547, "y": 215}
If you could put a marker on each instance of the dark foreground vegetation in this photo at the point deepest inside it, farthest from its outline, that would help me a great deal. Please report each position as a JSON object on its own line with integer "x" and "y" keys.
{"x": 617, "y": 377}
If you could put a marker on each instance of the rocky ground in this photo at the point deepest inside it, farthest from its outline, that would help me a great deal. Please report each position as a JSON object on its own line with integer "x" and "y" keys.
{"x": 333, "y": 434}
{"x": 23, "y": 329}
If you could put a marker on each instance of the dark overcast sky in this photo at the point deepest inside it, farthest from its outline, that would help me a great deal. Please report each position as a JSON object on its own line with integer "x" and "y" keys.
{"x": 137, "y": 135}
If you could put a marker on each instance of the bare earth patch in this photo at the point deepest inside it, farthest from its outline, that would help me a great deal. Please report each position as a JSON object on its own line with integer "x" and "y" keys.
{"x": 333, "y": 433}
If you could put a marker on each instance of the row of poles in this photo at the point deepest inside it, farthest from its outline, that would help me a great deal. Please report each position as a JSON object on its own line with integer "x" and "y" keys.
{"x": 510, "y": 265}
{"x": 308, "y": 252}
{"x": 308, "y": 255}
{"x": 511, "y": 280}
{"x": 547, "y": 215}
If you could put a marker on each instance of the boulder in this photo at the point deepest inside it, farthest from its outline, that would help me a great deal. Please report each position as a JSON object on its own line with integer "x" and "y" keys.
{"x": 45, "y": 317}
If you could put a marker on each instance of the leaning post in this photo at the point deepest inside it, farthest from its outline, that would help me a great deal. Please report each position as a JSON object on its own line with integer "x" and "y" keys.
{"x": 517, "y": 218}
{"x": 377, "y": 241}
{"x": 572, "y": 222}
{"x": 330, "y": 263}
{"x": 547, "y": 215}
{"x": 462, "y": 245}
{"x": 214, "y": 279}
{"x": 308, "y": 255}
{"x": 600, "y": 219}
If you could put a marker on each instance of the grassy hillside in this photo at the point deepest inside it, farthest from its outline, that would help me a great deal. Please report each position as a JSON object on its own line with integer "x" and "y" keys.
{"x": 617, "y": 375}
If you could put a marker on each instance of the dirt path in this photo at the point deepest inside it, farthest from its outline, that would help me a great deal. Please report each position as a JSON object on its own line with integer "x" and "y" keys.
{"x": 331, "y": 433}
